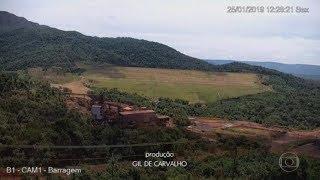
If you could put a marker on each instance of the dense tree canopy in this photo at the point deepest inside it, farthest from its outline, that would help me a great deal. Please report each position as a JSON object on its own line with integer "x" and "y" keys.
{"x": 46, "y": 47}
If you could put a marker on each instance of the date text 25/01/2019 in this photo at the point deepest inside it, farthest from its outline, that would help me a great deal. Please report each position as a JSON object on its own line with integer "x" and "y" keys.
{"x": 267, "y": 9}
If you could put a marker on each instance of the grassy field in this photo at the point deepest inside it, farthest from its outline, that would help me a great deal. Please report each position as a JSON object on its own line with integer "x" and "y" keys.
{"x": 53, "y": 75}
{"x": 195, "y": 86}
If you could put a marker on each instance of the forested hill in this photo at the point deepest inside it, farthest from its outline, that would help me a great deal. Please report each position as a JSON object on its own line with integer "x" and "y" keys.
{"x": 9, "y": 22}
{"x": 25, "y": 44}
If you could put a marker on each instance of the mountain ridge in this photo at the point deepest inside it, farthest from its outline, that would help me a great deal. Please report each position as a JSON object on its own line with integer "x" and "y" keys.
{"x": 9, "y": 22}
{"x": 301, "y": 70}
{"x": 26, "y": 44}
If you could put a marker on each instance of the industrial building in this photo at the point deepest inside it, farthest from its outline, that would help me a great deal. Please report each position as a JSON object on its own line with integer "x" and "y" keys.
{"x": 114, "y": 113}
{"x": 127, "y": 116}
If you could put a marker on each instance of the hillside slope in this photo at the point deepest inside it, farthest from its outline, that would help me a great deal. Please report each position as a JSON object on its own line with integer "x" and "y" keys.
{"x": 9, "y": 22}
{"x": 24, "y": 44}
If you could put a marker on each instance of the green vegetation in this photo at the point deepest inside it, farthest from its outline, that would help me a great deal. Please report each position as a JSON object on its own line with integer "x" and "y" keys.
{"x": 193, "y": 86}
{"x": 25, "y": 44}
{"x": 190, "y": 85}
{"x": 33, "y": 113}
{"x": 54, "y": 75}
{"x": 254, "y": 162}
{"x": 295, "y": 103}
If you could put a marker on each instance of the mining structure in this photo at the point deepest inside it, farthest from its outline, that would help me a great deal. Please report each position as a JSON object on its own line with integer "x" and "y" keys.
{"x": 121, "y": 114}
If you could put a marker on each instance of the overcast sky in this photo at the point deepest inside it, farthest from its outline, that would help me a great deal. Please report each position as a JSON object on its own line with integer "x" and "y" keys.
{"x": 199, "y": 28}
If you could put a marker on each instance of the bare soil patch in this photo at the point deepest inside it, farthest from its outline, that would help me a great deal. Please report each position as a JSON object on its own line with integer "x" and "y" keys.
{"x": 76, "y": 87}
{"x": 282, "y": 140}
{"x": 308, "y": 150}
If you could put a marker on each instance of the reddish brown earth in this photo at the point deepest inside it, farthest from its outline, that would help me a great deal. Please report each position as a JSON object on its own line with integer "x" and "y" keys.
{"x": 308, "y": 150}
{"x": 79, "y": 104}
{"x": 282, "y": 139}
{"x": 291, "y": 142}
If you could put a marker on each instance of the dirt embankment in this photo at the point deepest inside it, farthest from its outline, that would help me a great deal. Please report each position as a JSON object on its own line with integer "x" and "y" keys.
{"x": 282, "y": 140}
{"x": 76, "y": 87}
{"x": 300, "y": 142}
{"x": 78, "y": 99}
